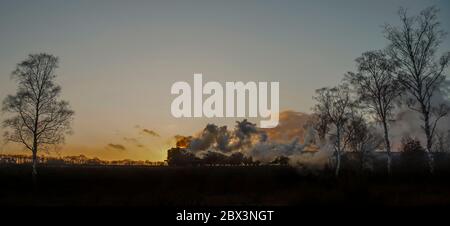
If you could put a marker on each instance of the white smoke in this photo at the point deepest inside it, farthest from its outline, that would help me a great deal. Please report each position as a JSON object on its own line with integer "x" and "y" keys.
{"x": 292, "y": 139}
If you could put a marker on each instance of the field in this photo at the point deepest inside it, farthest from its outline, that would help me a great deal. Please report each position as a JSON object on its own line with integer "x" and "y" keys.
{"x": 215, "y": 186}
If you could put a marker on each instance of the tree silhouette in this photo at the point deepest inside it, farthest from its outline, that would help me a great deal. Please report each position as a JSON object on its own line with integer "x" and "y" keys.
{"x": 38, "y": 119}
{"x": 412, "y": 155}
{"x": 413, "y": 45}
{"x": 377, "y": 88}
{"x": 336, "y": 106}
{"x": 361, "y": 138}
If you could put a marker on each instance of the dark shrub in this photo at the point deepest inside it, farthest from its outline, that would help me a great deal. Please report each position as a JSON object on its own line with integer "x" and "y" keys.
{"x": 413, "y": 155}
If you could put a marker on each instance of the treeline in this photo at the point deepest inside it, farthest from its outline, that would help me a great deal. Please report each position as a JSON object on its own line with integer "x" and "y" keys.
{"x": 406, "y": 76}
{"x": 73, "y": 160}
{"x": 411, "y": 158}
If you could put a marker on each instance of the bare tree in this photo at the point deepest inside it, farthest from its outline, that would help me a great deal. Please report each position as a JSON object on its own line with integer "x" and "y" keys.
{"x": 442, "y": 141}
{"x": 38, "y": 119}
{"x": 320, "y": 125}
{"x": 335, "y": 105}
{"x": 377, "y": 88}
{"x": 413, "y": 45}
{"x": 361, "y": 137}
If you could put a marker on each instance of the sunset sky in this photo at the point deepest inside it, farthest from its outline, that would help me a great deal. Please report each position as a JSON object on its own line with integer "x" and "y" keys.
{"x": 118, "y": 59}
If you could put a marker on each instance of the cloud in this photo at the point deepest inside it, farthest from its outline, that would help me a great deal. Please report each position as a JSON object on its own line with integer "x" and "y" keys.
{"x": 150, "y": 132}
{"x": 291, "y": 126}
{"x": 131, "y": 140}
{"x": 292, "y": 138}
{"x": 134, "y": 142}
{"x": 244, "y": 135}
{"x": 117, "y": 147}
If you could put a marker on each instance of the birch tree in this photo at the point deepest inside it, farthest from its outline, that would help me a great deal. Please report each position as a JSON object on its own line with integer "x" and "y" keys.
{"x": 361, "y": 137}
{"x": 414, "y": 45}
{"x": 335, "y": 106}
{"x": 37, "y": 118}
{"x": 377, "y": 88}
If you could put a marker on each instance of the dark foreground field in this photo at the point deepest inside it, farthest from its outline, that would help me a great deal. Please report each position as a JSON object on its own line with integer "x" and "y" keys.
{"x": 215, "y": 186}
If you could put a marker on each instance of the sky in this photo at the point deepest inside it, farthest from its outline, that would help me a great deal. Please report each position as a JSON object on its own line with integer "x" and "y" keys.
{"x": 119, "y": 59}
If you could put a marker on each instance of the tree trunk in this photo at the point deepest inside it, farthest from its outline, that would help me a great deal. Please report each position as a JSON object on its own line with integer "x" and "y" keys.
{"x": 429, "y": 137}
{"x": 34, "y": 171}
{"x": 387, "y": 146}
{"x": 338, "y": 163}
{"x": 361, "y": 160}
{"x": 430, "y": 160}
{"x": 338, "y": 150}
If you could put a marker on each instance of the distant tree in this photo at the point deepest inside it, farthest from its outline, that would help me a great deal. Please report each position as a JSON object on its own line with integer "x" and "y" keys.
{"x": 442, "y": 141}
{"x": 414, "y": 45}
{"x": 38, "y": 118}
{"x": 412, "y": 155}
{"x": 362, "y": 138}
{"x": 335, "y": 104}
{"x": 377, "y": 88}
{"x": 320, "y": 125}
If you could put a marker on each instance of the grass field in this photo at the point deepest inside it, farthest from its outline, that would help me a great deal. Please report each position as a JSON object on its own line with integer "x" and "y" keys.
{"x": 215, "y": 186}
